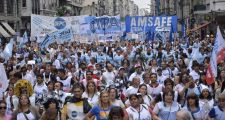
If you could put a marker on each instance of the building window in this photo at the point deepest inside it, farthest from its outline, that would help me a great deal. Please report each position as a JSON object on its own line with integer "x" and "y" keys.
{"x": 2, "y": 6}
{"x": 10, "y": 7}
{"x": 36, "y": 7}
{"x": 24, "y": 3}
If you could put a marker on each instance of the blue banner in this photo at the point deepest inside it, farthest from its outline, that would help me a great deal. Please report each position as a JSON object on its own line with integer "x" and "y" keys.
{"x": 100, "y": 25}
{"x": 136, "y": 24}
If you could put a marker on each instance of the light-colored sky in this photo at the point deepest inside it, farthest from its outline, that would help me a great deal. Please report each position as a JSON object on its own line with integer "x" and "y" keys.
{"x": 142, "y": 3}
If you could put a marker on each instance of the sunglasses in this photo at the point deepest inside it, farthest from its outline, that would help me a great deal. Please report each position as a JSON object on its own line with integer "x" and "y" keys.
{"x": 2, "y": 107}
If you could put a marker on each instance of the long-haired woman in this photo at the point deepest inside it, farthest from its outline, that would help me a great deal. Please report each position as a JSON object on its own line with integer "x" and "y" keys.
{"x": 114, "y": 97}
{"x": 166, "y": 109}
{"x": 193, "y": 107}
{"x": 91, "y": 93}
{"x": 138, "y": 111}
{"x": 25, "y": 111}
{"x": 3, "y": 111}
{"x": 101, "y": 111}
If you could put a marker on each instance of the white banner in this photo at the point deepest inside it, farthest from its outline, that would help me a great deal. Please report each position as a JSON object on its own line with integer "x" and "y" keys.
{"x": 45, "y": 25}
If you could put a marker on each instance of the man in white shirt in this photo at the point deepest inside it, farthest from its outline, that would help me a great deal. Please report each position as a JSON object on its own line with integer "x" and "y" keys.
{"x": 195, "y": 72}
{"x": 133, "y": 89}
{"x": 66, "y": 80}
{"x": 165, "y": 70}
{"x": 109, "y": 76}
{"x": 138, "y": 73}
{"x": 40, "y": 88}
{"x": 27, "y": 76}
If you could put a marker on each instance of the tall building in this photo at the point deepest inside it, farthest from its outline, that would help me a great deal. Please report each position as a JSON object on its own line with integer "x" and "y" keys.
{"x": 90, "y": 7}
{"x": 209, "y": 10}
{"x": 10, "y": 14}
{"x": 143, "y": 12}
{"x": 152, "y": 7}
{"x": 42, "y": 7}
{"x": 167, "y": 7}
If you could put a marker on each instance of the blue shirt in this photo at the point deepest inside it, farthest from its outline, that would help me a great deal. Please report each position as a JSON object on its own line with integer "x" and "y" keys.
{"x": 99, "y": 113}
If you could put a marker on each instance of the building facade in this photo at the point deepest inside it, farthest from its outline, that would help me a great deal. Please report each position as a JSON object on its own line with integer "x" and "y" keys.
{"x": 10, "y": 12}
{"x": 17, "y": 13}
{"x": 41, "y": 7}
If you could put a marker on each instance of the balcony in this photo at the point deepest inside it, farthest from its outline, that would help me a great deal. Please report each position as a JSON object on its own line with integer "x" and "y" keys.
{"x": 199, "y": 7}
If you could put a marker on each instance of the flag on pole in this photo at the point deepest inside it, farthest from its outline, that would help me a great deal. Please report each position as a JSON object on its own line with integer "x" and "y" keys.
{"x": 183, "y": 30}
{"x": 46, "y": 42}
{"x": 218, "y": 55}
{"x": 8, "y": 50}
{"x": 3, "y": 79}
{"x": 171, "y": 32}
{"x": 24, "y": 39}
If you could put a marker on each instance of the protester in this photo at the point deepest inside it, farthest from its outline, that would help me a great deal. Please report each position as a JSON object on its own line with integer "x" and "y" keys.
{"x": 3, "y": 111}
{"x": 101, "y": 111}
{"x": 217, "y": 112}
{"x": 91, "y": 93}
{"x": 193, "y": 107}
{"x": 116, "y": 113}
{"x": 25, "y": 111}
{"x": 169, "y": 79}
{"x": 137, "y": 110}
{"x": 114, "y": 97}
{"x": 184, "y": 115}
{"x": 166, "y": 109}
{"x": 76, "y": 107}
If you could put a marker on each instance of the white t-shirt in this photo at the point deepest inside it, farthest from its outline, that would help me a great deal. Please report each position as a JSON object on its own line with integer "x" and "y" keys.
{"x": 21, "y": 116}
{"x": 166, "y": 112}
{"x": 66, "y": 83}
{"x": 109, "y": 77}
{"x": 195, "y": 75}
{"x": 144, "y": 113}
{"x": 92, "y": 100}
{"x": 154, "y": 91}
{"x": 118, "y": 103}
{"x": 39, "y": 90}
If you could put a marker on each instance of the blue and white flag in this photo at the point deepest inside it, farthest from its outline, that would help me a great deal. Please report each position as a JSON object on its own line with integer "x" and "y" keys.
{"x": 8, "y": 49}
{"x": 46, "y": 42}
{"x": 24, "y": 39}
{"x": 171, "y": 33}
{"x": 4, "y": 82}
{"x": 183, "y": 30}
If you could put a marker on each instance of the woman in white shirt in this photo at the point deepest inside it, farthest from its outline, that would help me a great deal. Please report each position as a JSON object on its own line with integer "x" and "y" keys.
{"x": 113, "y": 96}
{"x": 138, "y": 111}
{"x": 25, "y": 111}
{"x": 166, "y": 109}
{"x": 142, "y": 91}
{"x": 91, "y": 93}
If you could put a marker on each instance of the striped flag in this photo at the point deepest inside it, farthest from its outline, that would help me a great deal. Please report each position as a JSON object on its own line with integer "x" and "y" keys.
{"x": 218, "y": 55}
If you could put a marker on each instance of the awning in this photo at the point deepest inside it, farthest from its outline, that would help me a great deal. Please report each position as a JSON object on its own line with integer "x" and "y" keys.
{"x": 3, "y": 32}
{"x": 7, "y": 26}
{"x": 201, "y": 26}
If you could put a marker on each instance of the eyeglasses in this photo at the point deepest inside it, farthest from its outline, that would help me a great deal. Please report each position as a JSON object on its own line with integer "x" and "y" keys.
{"x": 2, "y": 107}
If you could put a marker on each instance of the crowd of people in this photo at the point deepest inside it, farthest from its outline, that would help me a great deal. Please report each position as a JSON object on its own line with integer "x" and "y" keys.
{"x": 120, "y": 80}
